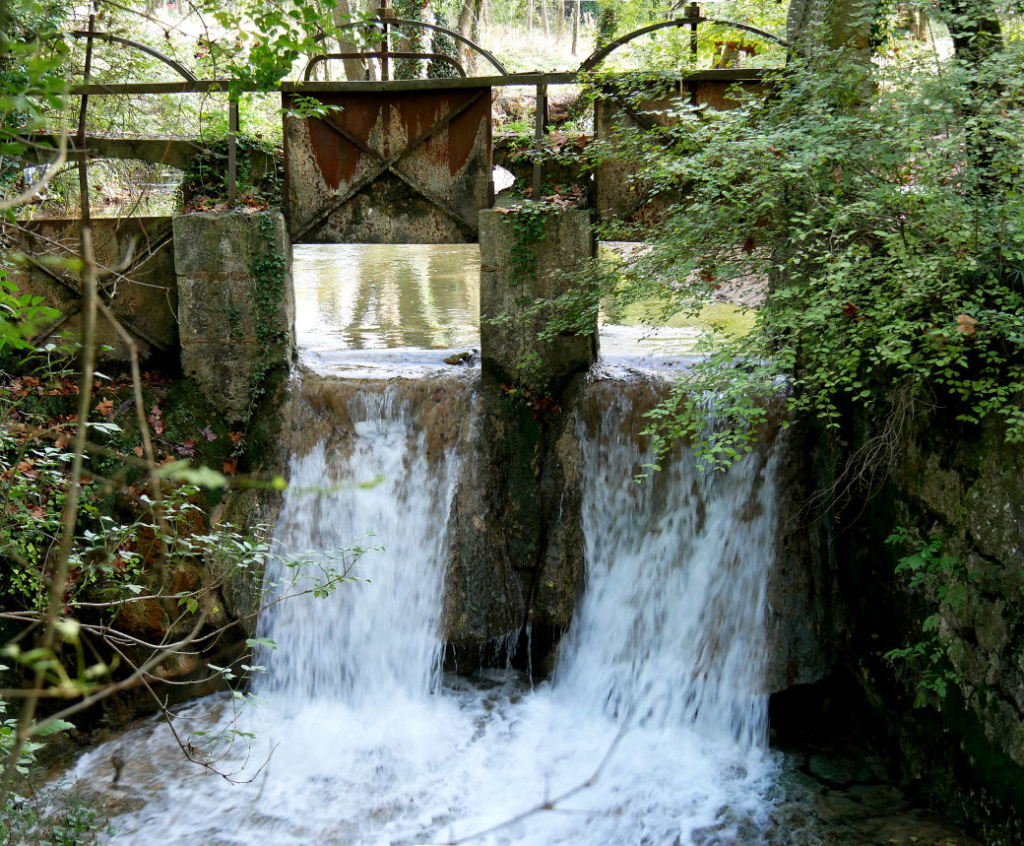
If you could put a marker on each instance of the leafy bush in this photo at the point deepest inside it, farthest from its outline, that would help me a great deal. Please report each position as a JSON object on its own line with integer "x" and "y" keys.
{"x": 207, "y": 177}
{"x": 884, "y": 204}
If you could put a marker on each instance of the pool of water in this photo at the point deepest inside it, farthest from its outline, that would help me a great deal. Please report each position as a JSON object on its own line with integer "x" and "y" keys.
{"x": 373, "y": 310}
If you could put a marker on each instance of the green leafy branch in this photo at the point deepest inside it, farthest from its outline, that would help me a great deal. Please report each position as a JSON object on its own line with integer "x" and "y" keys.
{"x": 942, "y": 579}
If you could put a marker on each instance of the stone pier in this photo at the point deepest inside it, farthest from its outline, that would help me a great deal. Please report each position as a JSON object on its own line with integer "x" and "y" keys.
{"x": 513, "y": 310}
{"x": 236, "y": 309}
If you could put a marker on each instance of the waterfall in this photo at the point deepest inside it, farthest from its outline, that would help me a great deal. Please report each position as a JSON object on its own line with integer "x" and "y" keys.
{"x": 377, "y": 638}
{"x": 671, "y": 626}
{"x": 651, "y": 731}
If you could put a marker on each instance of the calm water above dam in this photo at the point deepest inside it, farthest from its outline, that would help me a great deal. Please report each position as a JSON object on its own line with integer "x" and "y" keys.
{"x": 375, "y": 309}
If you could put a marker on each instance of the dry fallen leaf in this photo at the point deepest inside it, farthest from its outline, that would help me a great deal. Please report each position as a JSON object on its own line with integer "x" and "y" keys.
{"x": 965, "y": 324}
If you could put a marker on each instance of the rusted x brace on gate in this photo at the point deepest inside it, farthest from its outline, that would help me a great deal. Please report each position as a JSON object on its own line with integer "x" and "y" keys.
{"x": 391, "y": 166}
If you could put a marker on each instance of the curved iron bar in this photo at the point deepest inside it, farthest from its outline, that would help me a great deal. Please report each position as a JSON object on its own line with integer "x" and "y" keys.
{"x": 375, "y": 55}
{"x": 396, "y": 22}
{"x": 601, "y": 54}
{"x": 145, "y": 48}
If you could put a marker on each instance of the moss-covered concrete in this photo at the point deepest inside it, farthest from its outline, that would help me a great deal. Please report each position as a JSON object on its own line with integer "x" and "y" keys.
{"x": 516, "y": 550}
{"x": 236, "y": 308}
{"x": 963, "y": 486}
{"x": 512, "y": 301}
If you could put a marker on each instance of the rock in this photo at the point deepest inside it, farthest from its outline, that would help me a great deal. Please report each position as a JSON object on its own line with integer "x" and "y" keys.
{"x": 834, "y": 771}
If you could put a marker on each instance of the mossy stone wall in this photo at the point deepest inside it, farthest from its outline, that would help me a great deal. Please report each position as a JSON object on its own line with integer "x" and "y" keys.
{"x": 236, "y": 308}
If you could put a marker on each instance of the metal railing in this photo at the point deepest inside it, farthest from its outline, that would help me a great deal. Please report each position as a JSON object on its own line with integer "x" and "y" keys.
{"x": 384, "y": 25}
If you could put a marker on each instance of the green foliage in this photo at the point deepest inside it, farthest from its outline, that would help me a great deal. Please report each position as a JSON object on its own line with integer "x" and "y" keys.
{"x": 208, "y": 174}
{"x": 887, "y": 216}
{"x": 270, "y": 38}
{"x": 49, "y": 817}
{"x": 27, "y": 754}
{"x": 671, "y": 49}
{"x": 528, "y": 220}
{"x": 444, "y": 45}
{"x": 20, "y": 314}
{"x": 269, "y": 269}
{"x": 942, "y": 580}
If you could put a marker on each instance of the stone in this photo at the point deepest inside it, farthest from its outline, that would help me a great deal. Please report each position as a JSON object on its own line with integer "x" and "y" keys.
{"x": 236, "y": 325}
{"x": 215, "y": 244}
{"x": 510, "y": 318}
{"x": 834, "y": 771}
{"x": 515, "y": 532}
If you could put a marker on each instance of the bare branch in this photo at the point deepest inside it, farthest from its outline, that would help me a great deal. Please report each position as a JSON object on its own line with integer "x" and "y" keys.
{"x": 51, "y": 171}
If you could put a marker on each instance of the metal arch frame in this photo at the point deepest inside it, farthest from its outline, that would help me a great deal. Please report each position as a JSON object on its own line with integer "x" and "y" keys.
{"x": 395, "y": 22}
{"x": 174, "y": 64}
{"x": 325, "y": 57}
{"x": 601, "y": 54}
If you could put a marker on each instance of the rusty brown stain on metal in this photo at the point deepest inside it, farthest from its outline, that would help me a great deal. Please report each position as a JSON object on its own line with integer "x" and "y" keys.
{"x": 390, "y": 166}
{"x": 338, "y": 158}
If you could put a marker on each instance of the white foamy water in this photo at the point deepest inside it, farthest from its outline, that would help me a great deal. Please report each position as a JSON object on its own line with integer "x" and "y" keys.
{"x": 652, "y": 731}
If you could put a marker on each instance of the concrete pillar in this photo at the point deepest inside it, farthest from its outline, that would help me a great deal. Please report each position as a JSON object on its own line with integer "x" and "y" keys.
{"x": 510, "y": 319}
{"x": 236, "y": 309}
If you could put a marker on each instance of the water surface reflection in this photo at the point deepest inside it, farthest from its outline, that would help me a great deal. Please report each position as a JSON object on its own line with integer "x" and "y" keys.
{"x": 375, "y": 310}
{"x": 382, "y": 296}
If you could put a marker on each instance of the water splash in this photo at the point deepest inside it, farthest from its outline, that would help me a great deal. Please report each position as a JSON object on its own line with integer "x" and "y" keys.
{"x": 359, "y": 745}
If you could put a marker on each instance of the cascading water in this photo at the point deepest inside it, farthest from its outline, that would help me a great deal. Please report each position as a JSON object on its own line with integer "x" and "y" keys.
{"x": 377, "y": 639}
{"x": 671, "y": 627}
{"x": 652, "y": 730}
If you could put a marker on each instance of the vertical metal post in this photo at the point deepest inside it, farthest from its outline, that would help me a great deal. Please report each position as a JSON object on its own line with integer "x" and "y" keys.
{"x": 693, "y": 15}
{"x": 384, "y": 13}
{"x": 540, "y": 125}
{"x": 83, "y": 158}
{"x": 232, "y": 150}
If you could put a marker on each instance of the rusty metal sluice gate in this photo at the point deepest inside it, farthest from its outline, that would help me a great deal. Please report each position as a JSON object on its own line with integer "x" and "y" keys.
{"x": 392, "y": 167}
{"x": 410, "y": 160}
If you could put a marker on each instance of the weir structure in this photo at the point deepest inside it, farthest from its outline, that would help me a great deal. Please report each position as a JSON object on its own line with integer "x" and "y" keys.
{"x": 516, "y": 521}
{"x": 388, "y": 161}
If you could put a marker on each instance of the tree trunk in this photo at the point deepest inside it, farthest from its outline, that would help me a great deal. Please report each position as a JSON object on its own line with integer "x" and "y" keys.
{"x": 828, "y": 24}
{"x": 355, "y": 70}
{"x": 410, "y": 40}
{"x": 467, "y": 28}
{"x": 575, "y": 26}
{"x": 544, "y": 18}
{"x": 529, "y": 17}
